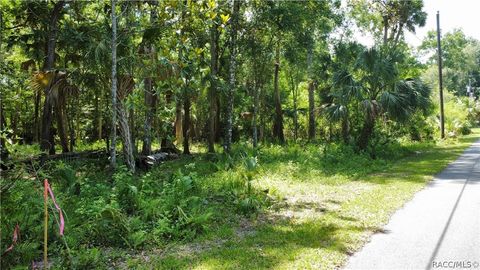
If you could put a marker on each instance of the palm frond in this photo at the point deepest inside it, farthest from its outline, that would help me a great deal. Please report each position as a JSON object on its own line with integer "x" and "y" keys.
{"x": 54, "y": 84}
{"x": 395, "y": 104}
{"x": 125, "y": 86}
{"x": 336, "y": 112}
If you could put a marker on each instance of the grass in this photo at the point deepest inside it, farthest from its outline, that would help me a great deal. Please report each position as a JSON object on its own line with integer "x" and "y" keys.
{"x": 326, "y": 211}
{"x": 318, "y": 204}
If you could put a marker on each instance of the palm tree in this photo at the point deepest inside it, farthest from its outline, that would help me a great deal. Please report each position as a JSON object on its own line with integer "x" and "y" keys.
{"x": 375, "y": 87}
{"x": 125, "y": 86}
{"x": 57, "y": 89}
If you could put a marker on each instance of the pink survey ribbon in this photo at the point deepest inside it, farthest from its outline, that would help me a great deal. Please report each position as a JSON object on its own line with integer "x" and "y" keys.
{"x": 62, "y": 222}
{"x": 16, "y": 232}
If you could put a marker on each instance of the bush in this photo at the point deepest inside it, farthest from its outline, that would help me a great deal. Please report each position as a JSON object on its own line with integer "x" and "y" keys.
{"x": 124, "y": 210}
{"x": 457, "y": 119}
{"x": 21, "y": 203}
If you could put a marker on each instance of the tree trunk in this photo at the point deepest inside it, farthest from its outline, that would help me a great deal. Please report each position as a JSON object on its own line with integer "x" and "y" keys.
{"x": 46, "y": 139}
{"x": 133, "y": 133}
{"x": 295, "y": 108}
{"x": 38, "y": 97}
{"x": 233, "y": 66}
{"x": 97, "y": 132}
{"x": 3, "y": 146}
{"x": 311, "y": 96}
{"x": 100, "y": 126}
{"x": 399, "y": 33}
{"x": 366, "y": 133}
{"x": 98, "y": 119}
{"x": 218, "y": 123}
{"x": 295, "y": 119}
{"x": 385, "y": 30}
{"x": 254, "y": 120}
{"x": 126, "y": 136}
{"x": 178, "y": 121}
{"x": 345, "y": 129}
{"x": 13, "y": 124}
{"x": 185, "y": 95}
{"x": 61, "y": 128}
{"x": 149, "y": 100}
{"x": 186, "y": 124}
{"x": 77, "y": 130}
{"x": 149, "y": 97}
{"x": 47, "y": 142}
{"x": 213, "y": 87}
{"x": 52, "y": 35}
{"x": 71, "y": 124}
{"x": 113, "y": 158}
{"x": 261, "y": 115}
{"x": 278, "y": 123}
{"x": 125, "y": 87}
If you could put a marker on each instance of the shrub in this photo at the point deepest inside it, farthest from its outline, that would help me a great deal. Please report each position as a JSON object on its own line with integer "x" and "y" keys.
{"x": 122, "y": 210}
{"x": 178, "y": 212}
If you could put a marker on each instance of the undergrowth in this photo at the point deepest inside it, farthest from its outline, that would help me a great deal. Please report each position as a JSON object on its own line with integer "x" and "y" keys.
{"x": 178, "y": 201}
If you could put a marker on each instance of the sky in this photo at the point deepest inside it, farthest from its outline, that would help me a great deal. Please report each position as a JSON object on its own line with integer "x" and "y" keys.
{"x": 453, "y": 14}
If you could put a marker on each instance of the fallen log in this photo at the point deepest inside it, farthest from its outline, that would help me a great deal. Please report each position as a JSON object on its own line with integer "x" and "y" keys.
{"x": 149, "y": 161}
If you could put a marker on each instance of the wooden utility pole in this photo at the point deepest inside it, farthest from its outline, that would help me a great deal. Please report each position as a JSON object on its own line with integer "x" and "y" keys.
{"x": 440, "y": 81}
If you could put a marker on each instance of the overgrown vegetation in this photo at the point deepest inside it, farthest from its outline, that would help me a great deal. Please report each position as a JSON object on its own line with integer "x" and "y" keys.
{"x": 269, "y": 108}
{"x": 325, "y": 214}
{"x": 286, "y": 197}
{"x": 176, "y": 201}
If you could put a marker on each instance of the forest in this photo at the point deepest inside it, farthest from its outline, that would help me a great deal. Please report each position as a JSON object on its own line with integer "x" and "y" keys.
{"x": 215, "y": 134}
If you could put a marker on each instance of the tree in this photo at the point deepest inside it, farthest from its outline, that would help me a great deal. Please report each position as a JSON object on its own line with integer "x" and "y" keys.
{"x": 278, "y": 122}
{"x": 294, "y": 77}
{"x": 125, "y": 86}
{"x": 258, "y": 69}
{"x": 46, "y": 139}
{"x": 461, "y": 56}
{"x": 389, "y": 19}
{"x": 150, "y": 97}
{"x": 123, "y": 83}
{"x": 378, "y": 90}
{"x": 185, "y": 97}
{"x": 311, "y": 95}
{"x": 233, "y": 66}
{"x": 339, "y": 100}
{"x": 275, "y": 61}
{"x": 191, "y": 63}
{"x": 319, "y": 19}
{"x": 113, "y": 144}
{"x": 3, "y": 146}
{"x": 212, "y": 112}
{"x": 294, "y": 63}
{"x": 302, "y": 23}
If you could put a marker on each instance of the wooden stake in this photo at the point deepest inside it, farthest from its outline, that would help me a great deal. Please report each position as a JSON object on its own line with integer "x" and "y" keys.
{"x": 45, "y": 229}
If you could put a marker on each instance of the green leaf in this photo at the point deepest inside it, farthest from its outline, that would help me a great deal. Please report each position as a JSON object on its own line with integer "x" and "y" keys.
{"x": 225, "y": 18}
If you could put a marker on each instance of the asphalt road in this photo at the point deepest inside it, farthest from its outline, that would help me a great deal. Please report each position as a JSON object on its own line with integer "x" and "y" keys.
{"x": 438, "y": 229}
